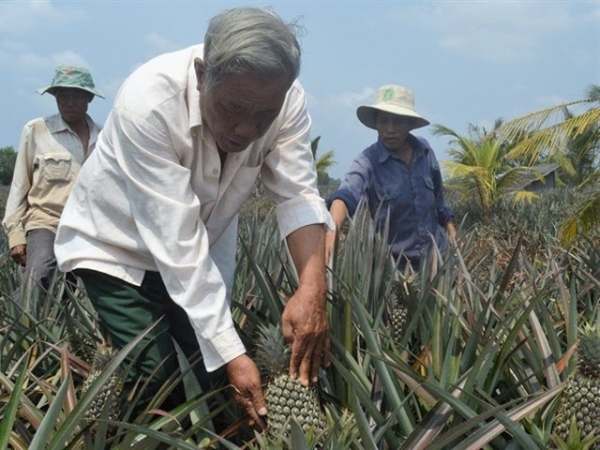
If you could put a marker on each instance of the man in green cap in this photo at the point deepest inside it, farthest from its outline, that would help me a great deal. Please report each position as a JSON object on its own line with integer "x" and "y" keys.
{"x": 51, "y": 152}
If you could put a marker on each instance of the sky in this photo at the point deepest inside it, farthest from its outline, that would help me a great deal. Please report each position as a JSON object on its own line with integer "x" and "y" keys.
{"x": 467, "y": 62}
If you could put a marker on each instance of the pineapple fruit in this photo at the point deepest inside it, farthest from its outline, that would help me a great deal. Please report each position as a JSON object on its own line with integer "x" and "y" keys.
{"x": 286, "y": 398}
{"x": 399, "y": 312}
{"x": 581, "y": 396}
{"x": 113, "y": 387}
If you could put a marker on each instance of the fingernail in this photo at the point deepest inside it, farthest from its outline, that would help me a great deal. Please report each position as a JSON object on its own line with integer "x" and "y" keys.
{"x": 262, "y": 411}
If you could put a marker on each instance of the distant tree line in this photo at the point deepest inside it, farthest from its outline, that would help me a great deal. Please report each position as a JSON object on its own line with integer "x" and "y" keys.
{"x": 8, "y": 157}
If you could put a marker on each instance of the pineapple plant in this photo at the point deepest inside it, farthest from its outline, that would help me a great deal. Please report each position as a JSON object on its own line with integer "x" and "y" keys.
{"x": 581, "y": 397}
{"x": 113, "y": 387}
{"x": 286, "y": 398}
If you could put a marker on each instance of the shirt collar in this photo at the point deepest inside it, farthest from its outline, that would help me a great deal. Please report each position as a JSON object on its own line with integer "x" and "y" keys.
{"x": 56, "y": 123}
{"x": 418, "y": 147}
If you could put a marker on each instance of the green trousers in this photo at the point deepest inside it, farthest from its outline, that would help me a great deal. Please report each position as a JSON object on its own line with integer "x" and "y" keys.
{"x": 125, "y": 310}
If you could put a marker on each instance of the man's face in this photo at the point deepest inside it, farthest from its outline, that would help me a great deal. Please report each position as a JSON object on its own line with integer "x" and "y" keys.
{"x": 239, "y": 109}
{"x": 72, "y": 103}
{"x": 393, "y": 129}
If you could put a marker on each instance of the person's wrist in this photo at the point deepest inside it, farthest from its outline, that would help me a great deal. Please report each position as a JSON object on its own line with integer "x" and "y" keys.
{"x": 235, "y": 361}
{"x": 316, "y": 290}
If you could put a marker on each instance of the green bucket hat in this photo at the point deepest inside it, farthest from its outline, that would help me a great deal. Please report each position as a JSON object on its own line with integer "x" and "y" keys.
{"x": 72, "y": 77}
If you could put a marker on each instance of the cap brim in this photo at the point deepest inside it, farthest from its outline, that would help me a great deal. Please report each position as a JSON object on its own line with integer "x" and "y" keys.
{"x": 42, "y": 91}
{"x": 367, "y": 114}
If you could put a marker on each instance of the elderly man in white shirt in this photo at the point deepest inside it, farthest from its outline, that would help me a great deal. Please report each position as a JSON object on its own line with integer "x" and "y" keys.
{"x": 157, "y": 202}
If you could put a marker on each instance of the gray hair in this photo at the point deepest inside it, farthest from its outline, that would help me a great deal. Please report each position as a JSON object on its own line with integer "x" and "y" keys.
{"x": 250, "y": 40}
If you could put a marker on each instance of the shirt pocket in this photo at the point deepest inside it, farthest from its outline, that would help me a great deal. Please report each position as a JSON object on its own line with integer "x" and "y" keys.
{"x": 391, "y": 192}
{"x": 429, "y": 189}
{"x": 391, "y": 198}
{"x": 55, "y": 167}
{"x": 429, "y": 183}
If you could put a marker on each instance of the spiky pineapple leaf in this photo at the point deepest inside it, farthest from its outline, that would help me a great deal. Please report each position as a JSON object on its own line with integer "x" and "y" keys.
{"x": 297, "y": 437}
{"x": 268, "y": 289}
{"x": 272, "y": 353}
{"x": 9, "y": 414}
{"x": 46, "y": 430}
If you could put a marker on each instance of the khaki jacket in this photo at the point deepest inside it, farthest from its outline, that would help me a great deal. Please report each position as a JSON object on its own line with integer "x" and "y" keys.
{"x": 48, "y": 161}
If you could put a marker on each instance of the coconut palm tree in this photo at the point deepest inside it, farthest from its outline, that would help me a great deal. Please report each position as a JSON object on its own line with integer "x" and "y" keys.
{"x": 479, "y": 169}
{"x": 573, "y": 140}
{"x": 549, "y": 131}
{"x": 324, "y": 162}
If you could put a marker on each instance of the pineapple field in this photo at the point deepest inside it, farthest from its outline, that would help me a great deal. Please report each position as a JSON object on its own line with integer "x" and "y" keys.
{"x": 499, "y": 348}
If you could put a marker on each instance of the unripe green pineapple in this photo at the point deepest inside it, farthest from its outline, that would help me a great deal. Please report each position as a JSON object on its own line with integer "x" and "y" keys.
{"x": 581, "y": 397}
{"x": 399, "y": 311}
{"x": 113, "y": 387}
{"x": 286, "y": 398}
{"x": 399, "y": 320}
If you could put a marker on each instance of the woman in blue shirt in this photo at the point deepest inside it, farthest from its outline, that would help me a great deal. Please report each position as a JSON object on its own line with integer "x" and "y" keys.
{"x": 399, "y": 176}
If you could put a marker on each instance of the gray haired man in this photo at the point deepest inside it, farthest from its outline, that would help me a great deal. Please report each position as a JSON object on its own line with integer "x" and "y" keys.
{"x": 151, "y": 224}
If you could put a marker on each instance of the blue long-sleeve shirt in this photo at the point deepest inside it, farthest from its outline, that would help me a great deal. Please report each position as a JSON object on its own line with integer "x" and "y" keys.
{"x": 412, "y": 196}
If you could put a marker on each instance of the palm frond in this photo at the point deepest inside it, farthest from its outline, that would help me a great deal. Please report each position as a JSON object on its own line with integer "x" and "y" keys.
{"x": 585, "y": 217}
{"x": 545, "y": 132}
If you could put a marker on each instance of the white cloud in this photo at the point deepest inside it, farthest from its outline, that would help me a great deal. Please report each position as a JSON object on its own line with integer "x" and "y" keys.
{"x": 24, "y": 22}
{"x": 159, "y": 44}
{"x": 32, "y": 69}
{"x": 335, "y": 116}
{"x": 20, "y": 17}
{"x": 491, "y": 45}
{"x": 69, "y": 57}
{"x": 351, "y": 99}
{"x": 29, "y": 61}
{"x": 25, "y": 61}
{"x": 342, "y": 106}
{"x": 501, "y": 31}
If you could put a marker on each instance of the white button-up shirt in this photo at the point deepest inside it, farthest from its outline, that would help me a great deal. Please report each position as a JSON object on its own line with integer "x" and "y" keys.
{"x": 152, "y": 195}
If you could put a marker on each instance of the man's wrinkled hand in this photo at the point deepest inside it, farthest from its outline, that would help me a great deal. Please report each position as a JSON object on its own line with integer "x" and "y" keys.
{"x": 19, "y": 254}
{"x": 306, "y": 328}
{"x": 245, "y": 381}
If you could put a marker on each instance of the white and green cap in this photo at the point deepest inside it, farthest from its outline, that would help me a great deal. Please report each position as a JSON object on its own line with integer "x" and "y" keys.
{"x": 392, "y": 99}
{"x": 72, "y": 77}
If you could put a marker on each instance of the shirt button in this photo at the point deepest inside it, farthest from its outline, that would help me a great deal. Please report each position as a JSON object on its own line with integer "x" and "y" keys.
{"x": 215, "y": 171}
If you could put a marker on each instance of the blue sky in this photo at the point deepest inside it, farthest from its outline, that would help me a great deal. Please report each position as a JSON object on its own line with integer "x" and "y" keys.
{"x": 465, "y": 61}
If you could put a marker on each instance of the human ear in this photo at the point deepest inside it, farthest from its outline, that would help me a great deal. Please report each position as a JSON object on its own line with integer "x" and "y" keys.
{"x": 199, "y": 67}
